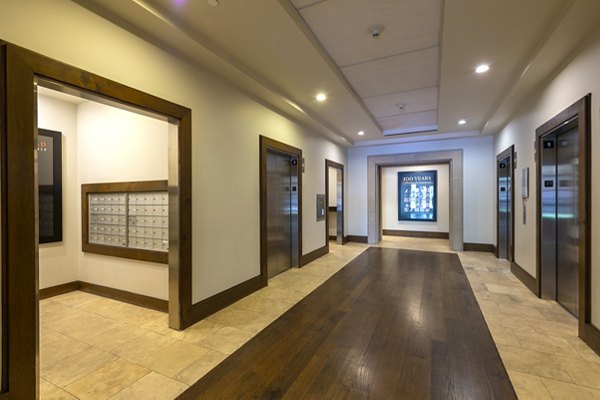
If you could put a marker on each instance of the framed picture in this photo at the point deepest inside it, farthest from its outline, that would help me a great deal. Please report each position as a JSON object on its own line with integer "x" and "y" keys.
{"x": 417, "y": 196}
{"x": 49, "y": 153}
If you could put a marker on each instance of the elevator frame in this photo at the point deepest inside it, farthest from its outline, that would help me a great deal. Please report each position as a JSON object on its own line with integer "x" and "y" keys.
{"x": 580, "y": 109}
{"x": 508, "y": 153}
{"x": 341, "y": 208}
{"x": 265, "y": 145}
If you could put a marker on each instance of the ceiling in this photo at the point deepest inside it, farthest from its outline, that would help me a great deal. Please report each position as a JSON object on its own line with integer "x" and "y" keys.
{"x": 415, "y": 79}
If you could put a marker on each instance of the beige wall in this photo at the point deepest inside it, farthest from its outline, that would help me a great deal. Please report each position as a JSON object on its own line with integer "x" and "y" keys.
{"x": 225, "y": 129}
{"x": 389, "y": 200}
{"x": 578, "y": 78}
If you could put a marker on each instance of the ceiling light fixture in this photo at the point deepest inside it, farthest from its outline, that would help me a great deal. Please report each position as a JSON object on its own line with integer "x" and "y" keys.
{"x": 462, "y": 121}
{"x": 321, "y": 97}
{"x": 376, "y": 30}
{"x": 361, "y": 133}
{"x": 482, "y": 68}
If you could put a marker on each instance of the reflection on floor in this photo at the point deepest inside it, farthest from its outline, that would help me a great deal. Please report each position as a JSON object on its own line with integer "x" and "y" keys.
{"x": 95, "y": 348}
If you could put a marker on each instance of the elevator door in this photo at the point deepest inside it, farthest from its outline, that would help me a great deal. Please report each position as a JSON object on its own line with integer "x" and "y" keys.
{"x": 279, "y": 213}
{"x": 504, "y": 208}
{"x": 560, "y": 216}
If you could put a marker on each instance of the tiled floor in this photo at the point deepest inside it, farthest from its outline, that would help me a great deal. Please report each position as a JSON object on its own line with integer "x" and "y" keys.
{"x": 95, "y": 348}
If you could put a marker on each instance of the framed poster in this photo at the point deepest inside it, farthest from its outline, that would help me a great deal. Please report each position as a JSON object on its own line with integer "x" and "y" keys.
{"x": 417, "y": 196}
{"x": 49, "y": 155}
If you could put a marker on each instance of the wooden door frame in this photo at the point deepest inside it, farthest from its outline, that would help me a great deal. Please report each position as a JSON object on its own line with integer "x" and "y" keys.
{"x": 339, "y": 167}
{"x": 265, "y": 145}
{"x": 20, "y": 68}
{"x": 581, "y": 109}
{"x": 509, "y": 152}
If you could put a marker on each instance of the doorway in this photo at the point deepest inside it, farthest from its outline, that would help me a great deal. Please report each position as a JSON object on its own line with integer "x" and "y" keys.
{"x": 505, "y": 204}
{"x": 564, "y": 209}
{"x": 334, "y": 195}
{"x": 281, "y": 193}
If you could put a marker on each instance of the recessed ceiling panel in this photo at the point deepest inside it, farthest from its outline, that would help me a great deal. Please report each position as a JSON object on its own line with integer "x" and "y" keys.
{"x": 409, "y": 123}
{"x": 403, "y": 102}
{"x": 342, "y": 26}
{"x": 410, "y": 71}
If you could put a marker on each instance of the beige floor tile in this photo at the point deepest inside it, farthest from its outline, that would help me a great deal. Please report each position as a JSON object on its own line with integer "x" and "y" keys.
{"x": 583, "y": 349}
{"x": 250, "y": 321}
{"x": 158, "y": 325}
{"x": 74, "y": 299}
{"x": 112, "y": 338}
{"x": 172, "y": 359}
{"x": 565, "y": 391}
{"x": 92, "y": 325}
{"x": 143, "y": 346}
{"x": 533, "y": 362}
{"x": 76, "y": 366}
{"x": 151, "y": 387}
{"x": 48, "y": 391}
{"x": 547, "y": 344}
{"x": 199, "y": 331}
{"x": 226, "y": 340}
{"x": 60, "y": 349}
{"x": 528, "y": 387}
{"x": 583, "y": 373}
{"x": 107, "y": 381}
{"x": 504, "y": 335}
{"x": 200, "y": 367}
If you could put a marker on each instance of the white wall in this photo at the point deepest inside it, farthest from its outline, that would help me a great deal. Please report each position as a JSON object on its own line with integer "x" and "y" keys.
{"x": 478, "y": 184}
{"x": 389, "y": 200}
{"x": 58, "y": 261}
{"x": 121, "y": 146}
{"x": 225, "y": 129}
{"x": 578, "y": 78}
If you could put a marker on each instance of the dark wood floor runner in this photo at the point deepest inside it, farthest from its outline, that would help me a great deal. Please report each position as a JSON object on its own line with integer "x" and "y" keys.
{"x": 394, "y": 324}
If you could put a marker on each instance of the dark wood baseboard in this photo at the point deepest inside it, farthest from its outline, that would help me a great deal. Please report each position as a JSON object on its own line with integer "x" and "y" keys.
{"x": 485, "y": 247}
{"x": 124, "y": 296}
{"x": 496, "y": 252}
{"x": 417, "y": 234}
{"x": 358, "y": 239}
{"x": 332, "y": 237}
{"x": 313, "y": 255}
{"x": 590, "y": 335}
{"x": 529, "y": 281}
{"x": 52, "y": 291}
{"x": 345, "y": 240}
{"x": 104, "y": 291}
{"x": 211, "y": 305}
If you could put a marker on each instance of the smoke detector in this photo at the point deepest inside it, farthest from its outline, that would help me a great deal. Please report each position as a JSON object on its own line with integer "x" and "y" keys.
{"x": 376, "y": 30}
{"x": 213, "y": 3}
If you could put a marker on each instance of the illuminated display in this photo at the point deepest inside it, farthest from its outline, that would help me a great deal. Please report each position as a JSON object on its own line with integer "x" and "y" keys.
{"x": 417, "y": 196}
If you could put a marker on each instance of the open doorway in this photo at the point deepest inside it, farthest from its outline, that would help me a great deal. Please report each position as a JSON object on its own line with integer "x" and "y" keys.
{"x": 505, "y": 222}
{"x": 24, "y": 71}
{"x": 334, "y": 195}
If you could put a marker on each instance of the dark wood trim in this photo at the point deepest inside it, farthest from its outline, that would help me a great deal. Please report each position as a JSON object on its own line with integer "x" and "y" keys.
{"x": 582, "y": 110}
{"x": 63, "y": 288}
{"x": 209, "y": 306}
{"x": 591, "y": 336}
{"x": 508, "y": 153}
{"x": 313, "y": 255}
{"x": 265, "y": 145}
{"x": 21, "y": 68}
{"x": 339, "y": 167}
{"x": 358, "y": 239}
{"x": 485, "y": 247}
{"x": 332, "y": 237}
{"x": 345, "y": 239}
{"x": 417, "y": 234}
{"x": 529, "y": 281}
{"x": 332, "y": 209}
{"x": 124, "y": 296}
{"x": 118, "y": 187}
{"x": 495, "y": 251}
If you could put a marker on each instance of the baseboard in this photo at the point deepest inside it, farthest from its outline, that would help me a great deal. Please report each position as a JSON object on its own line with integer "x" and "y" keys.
{"x": 358, "y": 239}
{"x": 313, "y": 255}
{"x": 345, "y": 240}
{"x": 52, "y": 291}
{"x": 590, "y": 335}
{"x": 417, "y": 234}
{"x": 223, "y": 299}
{"x": 496, "y": 252}
{"x": 529, "y": 281}
{"x": 332, "y": 237}
{"x": 485, "y": 247}
{"x": 124, "y": 296}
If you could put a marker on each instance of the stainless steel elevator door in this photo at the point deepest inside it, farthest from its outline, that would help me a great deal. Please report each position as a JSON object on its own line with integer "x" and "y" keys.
{"x": 567, "y": 220}
{"x": 279, "y": 213}
{"x": 504, "y": 208}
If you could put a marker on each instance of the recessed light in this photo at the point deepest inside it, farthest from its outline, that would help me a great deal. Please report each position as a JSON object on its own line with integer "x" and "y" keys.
{"x": 462, "y": 121}
{"x": 321, "y": 97}
{"x": 361, "y": 133}
{"x": 482, "y": 68}
{"x": 213, "y": 3}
